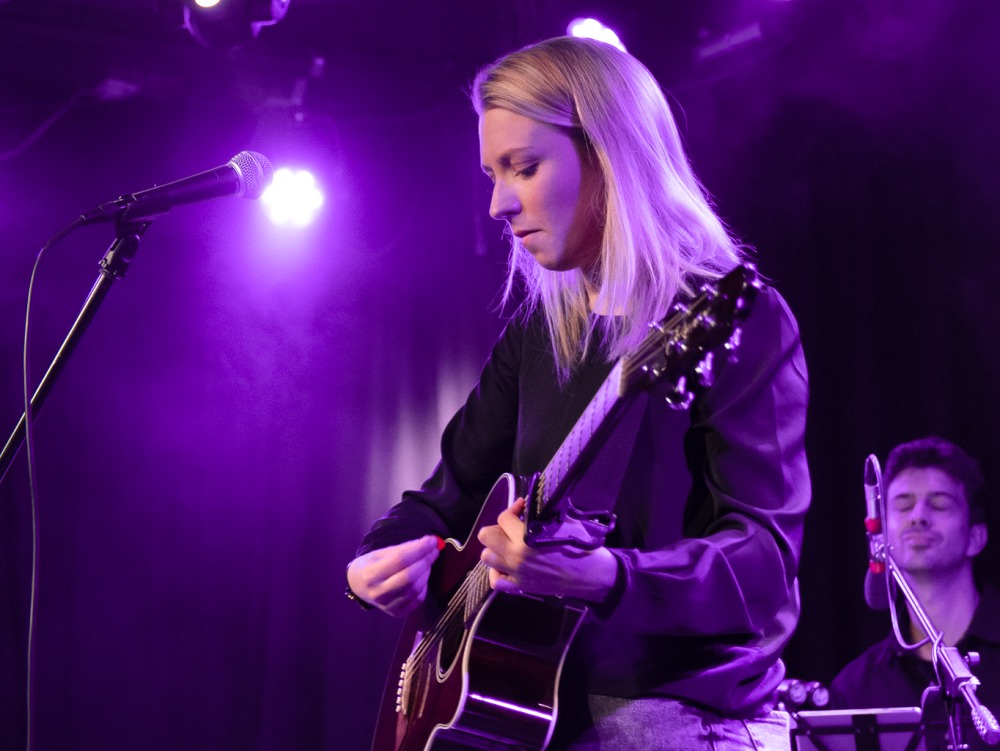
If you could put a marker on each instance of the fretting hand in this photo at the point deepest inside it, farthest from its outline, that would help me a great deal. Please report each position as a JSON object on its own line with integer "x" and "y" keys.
{"x": 559, "y": 570}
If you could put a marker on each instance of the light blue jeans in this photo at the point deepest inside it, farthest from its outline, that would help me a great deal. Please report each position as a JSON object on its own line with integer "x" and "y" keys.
{"x": 658, "y": 724}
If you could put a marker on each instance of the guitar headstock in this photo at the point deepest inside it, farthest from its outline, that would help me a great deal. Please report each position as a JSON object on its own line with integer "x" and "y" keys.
{"x": 681, "y": 346}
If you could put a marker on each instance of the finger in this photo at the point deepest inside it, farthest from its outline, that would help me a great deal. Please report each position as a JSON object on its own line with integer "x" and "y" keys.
{"x": 505, "y": 584}
{"x": 516, "y": 509}
{"x": 427, "y": 546}
{"x": 404, "y": 586}
{"x": 414, "y": 575}
{"x": 493, "y": 537}
{"x": 390, "y": 561}
{"x": 510, "y": 522}
{"x": 403, "y": 605}
{"x": 495, "y": 561}
{"x": 395, "y": 578}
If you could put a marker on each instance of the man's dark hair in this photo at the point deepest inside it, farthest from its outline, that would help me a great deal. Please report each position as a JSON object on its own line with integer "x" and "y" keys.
{"x": 940, "y": 454}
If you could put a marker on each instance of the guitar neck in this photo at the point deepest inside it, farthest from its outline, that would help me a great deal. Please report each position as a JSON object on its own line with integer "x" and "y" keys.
{"x": 675, "y": 349}
{"x": 571, "y": 454}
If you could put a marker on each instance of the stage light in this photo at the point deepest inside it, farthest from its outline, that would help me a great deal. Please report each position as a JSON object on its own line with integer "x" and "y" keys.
{"x": 227, "y": 24}
{"x": 591, "y": 28}
{"x": 292, "y": 198}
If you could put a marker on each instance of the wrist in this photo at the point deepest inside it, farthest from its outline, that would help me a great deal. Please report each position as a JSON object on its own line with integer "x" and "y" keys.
{"x": 351, "y": 595}
{"x": 354, "y": 596}
{"x": 599, "y": 586}
{"x": 612, "y": 572}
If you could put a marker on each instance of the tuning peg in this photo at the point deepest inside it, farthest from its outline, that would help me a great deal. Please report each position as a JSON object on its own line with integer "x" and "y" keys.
{"x": 704, "y": 370}
{"x": 792, "y": 693}
{"x": 734, "y": 340}
{"x": 680, "y": 401}
{"x": 679, "y": 397}
{"x": 819, "y": 695}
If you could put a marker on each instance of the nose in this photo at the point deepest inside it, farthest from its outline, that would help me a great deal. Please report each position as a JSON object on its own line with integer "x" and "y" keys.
{"x": 919, "y": 515}
{"x": 504, "y": 202}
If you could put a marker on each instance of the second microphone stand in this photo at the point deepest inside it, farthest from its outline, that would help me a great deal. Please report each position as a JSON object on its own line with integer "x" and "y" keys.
{"x": 956, "y": 683}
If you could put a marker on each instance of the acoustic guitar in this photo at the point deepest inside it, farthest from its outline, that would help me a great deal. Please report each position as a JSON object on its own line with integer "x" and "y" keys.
{"x": 480, "y": 669}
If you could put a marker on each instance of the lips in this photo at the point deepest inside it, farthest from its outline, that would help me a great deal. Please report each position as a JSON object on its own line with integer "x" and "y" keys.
{"x": 919, "y": 539}
{"x": 523, "y": 233}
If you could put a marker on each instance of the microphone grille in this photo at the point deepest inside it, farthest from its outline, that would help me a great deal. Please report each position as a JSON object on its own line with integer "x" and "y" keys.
{"x": 255, "y": 173}
{"x": 876, "y": 591}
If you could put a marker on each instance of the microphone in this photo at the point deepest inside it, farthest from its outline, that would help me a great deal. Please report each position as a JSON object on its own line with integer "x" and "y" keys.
{"x": 246, "y": 175}
{"x": 876, "y": 589}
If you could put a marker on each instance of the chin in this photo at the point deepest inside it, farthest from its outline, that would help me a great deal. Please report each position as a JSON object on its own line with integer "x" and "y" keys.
{"x": 546, "y": 263}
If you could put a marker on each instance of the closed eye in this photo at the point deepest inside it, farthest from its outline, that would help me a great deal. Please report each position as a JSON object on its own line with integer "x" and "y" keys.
{"x": 942, "y": 502}
{"x": 528, "y": 171}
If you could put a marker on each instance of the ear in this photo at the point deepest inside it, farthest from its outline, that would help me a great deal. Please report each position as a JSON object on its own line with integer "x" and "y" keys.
{"x": 978, "y": 535}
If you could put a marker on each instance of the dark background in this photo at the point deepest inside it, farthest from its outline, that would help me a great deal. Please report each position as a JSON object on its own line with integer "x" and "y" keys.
{"x": 249, "y": 399}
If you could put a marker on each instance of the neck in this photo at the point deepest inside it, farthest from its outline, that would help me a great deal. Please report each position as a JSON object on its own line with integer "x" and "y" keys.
{"x": 949, "y": 600}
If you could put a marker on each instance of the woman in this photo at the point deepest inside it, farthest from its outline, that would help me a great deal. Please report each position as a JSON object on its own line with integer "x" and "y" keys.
{"x": 693, "y": 595}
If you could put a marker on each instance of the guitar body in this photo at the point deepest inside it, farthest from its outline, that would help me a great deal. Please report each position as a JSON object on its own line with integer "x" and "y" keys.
{"x": 480, "y": 669}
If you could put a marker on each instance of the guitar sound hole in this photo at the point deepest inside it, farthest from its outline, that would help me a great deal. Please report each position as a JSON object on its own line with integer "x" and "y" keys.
{"x": 452, "y": 639}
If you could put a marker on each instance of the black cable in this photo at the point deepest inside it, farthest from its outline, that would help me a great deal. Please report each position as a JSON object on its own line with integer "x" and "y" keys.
{"x": 32, "y": 482}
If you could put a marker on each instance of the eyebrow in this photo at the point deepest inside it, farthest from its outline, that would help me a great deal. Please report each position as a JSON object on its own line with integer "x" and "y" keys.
{"x": 507, "y": 158}
{"x": 935, "y": 494}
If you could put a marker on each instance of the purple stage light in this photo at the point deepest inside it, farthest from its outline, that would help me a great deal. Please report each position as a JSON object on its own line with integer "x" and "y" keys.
{"x": 591, "y": 28}
{"x": 292, "y": 198}
{"x": 228, "y": 25}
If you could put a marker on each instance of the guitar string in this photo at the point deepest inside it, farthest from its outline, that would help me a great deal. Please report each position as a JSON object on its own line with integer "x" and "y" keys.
{"x": 458, "y": 600}
{"x": 417, "y": 659}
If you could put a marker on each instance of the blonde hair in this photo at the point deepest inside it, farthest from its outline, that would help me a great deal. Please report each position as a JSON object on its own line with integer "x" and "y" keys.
{"x": 661, "y": 236}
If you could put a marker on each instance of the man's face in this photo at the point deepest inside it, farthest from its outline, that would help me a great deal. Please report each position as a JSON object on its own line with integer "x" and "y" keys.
{"x": 928, "y": 523}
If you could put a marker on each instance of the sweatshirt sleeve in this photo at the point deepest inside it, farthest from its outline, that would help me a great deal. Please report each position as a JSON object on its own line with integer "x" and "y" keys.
{"x": 734, "y": 569}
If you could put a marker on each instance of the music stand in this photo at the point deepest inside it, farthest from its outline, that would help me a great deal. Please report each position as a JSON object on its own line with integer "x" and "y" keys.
{"x": 890, "y": 729}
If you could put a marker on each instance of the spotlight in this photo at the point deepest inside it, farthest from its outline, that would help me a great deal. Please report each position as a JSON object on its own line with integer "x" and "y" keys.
{"x": 292, "y": 197}
{"x": 227, "y": 24}
{"x": 591, "y": 28}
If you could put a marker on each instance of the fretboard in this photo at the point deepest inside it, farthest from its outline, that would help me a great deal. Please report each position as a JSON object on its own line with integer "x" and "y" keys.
{"x": 608, "y": 396}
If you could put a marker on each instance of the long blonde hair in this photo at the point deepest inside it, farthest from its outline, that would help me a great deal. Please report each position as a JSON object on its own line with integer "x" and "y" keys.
{"x": 661, "y": 236}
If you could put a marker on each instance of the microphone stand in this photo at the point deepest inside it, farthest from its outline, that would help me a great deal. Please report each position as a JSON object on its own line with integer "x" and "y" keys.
{"x": 953, "y": 672}
{"x": 114, "y": 266}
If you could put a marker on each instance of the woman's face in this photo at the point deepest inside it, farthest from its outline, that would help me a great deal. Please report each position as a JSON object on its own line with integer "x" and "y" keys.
{"x": 545, "y": 187}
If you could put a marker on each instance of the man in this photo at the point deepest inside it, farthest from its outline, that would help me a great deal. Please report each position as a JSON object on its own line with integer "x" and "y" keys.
{"x": 935, "y": 527}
